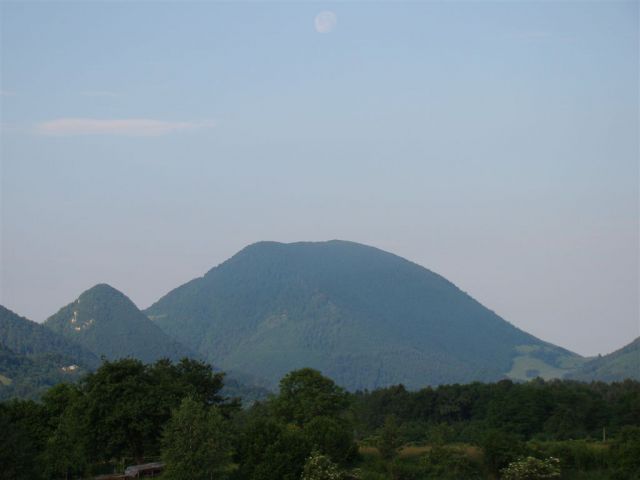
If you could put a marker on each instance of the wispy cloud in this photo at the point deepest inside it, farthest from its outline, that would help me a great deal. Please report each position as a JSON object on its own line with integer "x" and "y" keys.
{"x": 133, "y": 127}
{"x": 6, "y": 93}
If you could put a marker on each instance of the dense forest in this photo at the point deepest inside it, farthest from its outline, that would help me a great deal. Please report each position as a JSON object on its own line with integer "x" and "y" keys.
{"x": 107, "y": 323}
{"x": 128, "y": 412}
{"x": 363, "y": 316}
{"x": 34, "y": 358}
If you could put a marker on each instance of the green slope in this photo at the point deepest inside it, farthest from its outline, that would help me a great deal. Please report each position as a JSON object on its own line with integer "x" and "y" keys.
{"x": 617, "y": 366}
{"x": 25, "y": 337}
{"x": 33, "y": 358}
{"x": 363, "y": 316}
{"x": 107, "y": 323}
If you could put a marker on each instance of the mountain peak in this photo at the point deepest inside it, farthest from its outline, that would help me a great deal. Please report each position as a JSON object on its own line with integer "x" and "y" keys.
{"x": 363, "y": 316}
{"x": 106, "y": 322}
{"x": 103, "y": 290}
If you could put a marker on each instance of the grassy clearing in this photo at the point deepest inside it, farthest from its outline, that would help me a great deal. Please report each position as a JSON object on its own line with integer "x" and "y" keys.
{"x": 411, "y": 451}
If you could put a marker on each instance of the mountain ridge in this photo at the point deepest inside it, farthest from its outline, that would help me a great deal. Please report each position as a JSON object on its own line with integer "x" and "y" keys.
{"x": 350, "y": 309}
{"x": 106, "y": 322}
{"x": 33, "y": 358}
{"x": 615, "y": 366}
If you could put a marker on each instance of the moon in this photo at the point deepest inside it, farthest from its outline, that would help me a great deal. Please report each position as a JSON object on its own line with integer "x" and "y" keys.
{"x": 325, "y": 21}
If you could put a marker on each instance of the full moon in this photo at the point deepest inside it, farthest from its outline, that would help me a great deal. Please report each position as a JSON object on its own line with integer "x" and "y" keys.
{"x": 325, "y": 22}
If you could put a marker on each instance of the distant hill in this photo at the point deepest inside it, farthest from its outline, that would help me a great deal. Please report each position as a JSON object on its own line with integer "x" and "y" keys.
{"x": 365, "y": 317}
{"x": 33, "y": 358}
{"x": 614, "y": 367}
{"x": 107, "y": 323}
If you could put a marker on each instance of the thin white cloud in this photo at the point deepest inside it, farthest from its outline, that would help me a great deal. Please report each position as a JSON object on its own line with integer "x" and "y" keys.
{"x": 133, "y": 127}
{"x": 325, "y": 22}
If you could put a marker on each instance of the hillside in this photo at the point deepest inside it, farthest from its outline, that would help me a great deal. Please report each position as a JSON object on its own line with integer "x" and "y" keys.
{"x": 365, "y": 317}
{"x": 107, "y": 323}
{"x": 33, "y": 358}
{"x": 614, "y": 367}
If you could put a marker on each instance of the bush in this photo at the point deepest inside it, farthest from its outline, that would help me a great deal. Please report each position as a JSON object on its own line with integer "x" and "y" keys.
{"x": 331, "y": 437}
{"x": 625, "y": 453}
{"x": 500, "y": 449}
{"x": 574, "y": 454}
{"x": 446, "y": 463}
{"x": 320, "y": 467}
{"x": 531, "y": 468}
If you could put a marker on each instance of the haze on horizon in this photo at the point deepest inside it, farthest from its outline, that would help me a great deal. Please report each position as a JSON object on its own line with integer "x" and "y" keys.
{"x": 493, "y": 143}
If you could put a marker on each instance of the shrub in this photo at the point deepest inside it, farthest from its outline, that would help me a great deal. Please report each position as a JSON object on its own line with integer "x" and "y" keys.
{"x": 446, "y": 463}
{"x": 531, "y": 468}
{"x": 320, "y": 467}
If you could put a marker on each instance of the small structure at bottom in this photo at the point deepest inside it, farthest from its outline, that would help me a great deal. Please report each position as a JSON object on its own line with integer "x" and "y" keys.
{"x": 145, "y": 470}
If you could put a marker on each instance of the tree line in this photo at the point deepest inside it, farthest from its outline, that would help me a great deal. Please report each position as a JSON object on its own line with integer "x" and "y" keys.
{"x": 128, "y": 412}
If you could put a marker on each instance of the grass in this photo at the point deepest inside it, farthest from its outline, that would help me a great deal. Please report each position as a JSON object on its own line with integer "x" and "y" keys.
{"x": 527, "y": 363}
{"x": 412, "y": 451}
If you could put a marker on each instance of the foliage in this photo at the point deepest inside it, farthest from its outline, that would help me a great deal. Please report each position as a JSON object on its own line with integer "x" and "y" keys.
{"x": 269, "y": 450}
{"x": 195, "y": 442}
{"x": 306, "y": 394}
{"x": 128, "y": 402}
{"x": 64, "y": 455}
{"x": 530, "y": 410}
{"x": 445, "y": 463}
{"x": 626, "y": 453}
{"x": 307, "y": 415}
{"x": 24, "y": 431}
{"x": 576, "y": 455}
{"x": 500, "y": 449}
{"x": 332, "y": 437}
{"x": 119, "y": 404}
{"x": 127, "y": 411}
{"x": 389, "y": 442}
{"x": 531, "y": 468}
{"x": 320, "y": 467}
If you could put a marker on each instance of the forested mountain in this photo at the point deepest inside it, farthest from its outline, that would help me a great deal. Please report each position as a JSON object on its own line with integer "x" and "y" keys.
{"x": 616, "y": 366}
{"x": 25, "y": 337}
{"x": 108, "y": 324}
{"x": 363, "y": 316}
{"x": 33, "y": 358}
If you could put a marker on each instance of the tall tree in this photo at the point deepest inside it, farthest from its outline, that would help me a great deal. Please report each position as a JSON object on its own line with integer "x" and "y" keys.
{"x": 196, "y": 442}
{"x": 306, "y": 394}
{"x": 390, "y": 441}
{"x": 119, "y": 403}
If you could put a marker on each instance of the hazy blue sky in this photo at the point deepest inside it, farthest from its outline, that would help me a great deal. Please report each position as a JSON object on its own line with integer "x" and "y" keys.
{"x": 494, "y": 143}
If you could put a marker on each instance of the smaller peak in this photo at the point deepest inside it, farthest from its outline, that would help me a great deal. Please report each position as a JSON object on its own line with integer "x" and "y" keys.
{"x": 266, "y": 244}
{"x": 102, "y": 287}
{"x": 263, "y": 244}
{"x": 102, "y": 290}
{"x": 332, "y": 243}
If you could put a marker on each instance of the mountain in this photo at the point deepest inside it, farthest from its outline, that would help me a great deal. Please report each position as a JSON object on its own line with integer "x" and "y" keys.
{"x": 364, "y": 317}
{"x": 107, "y": 323}
{"x": 33, "y": 358}
{"x": 614, "y": 367}
{"x": 25, "y": 337}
